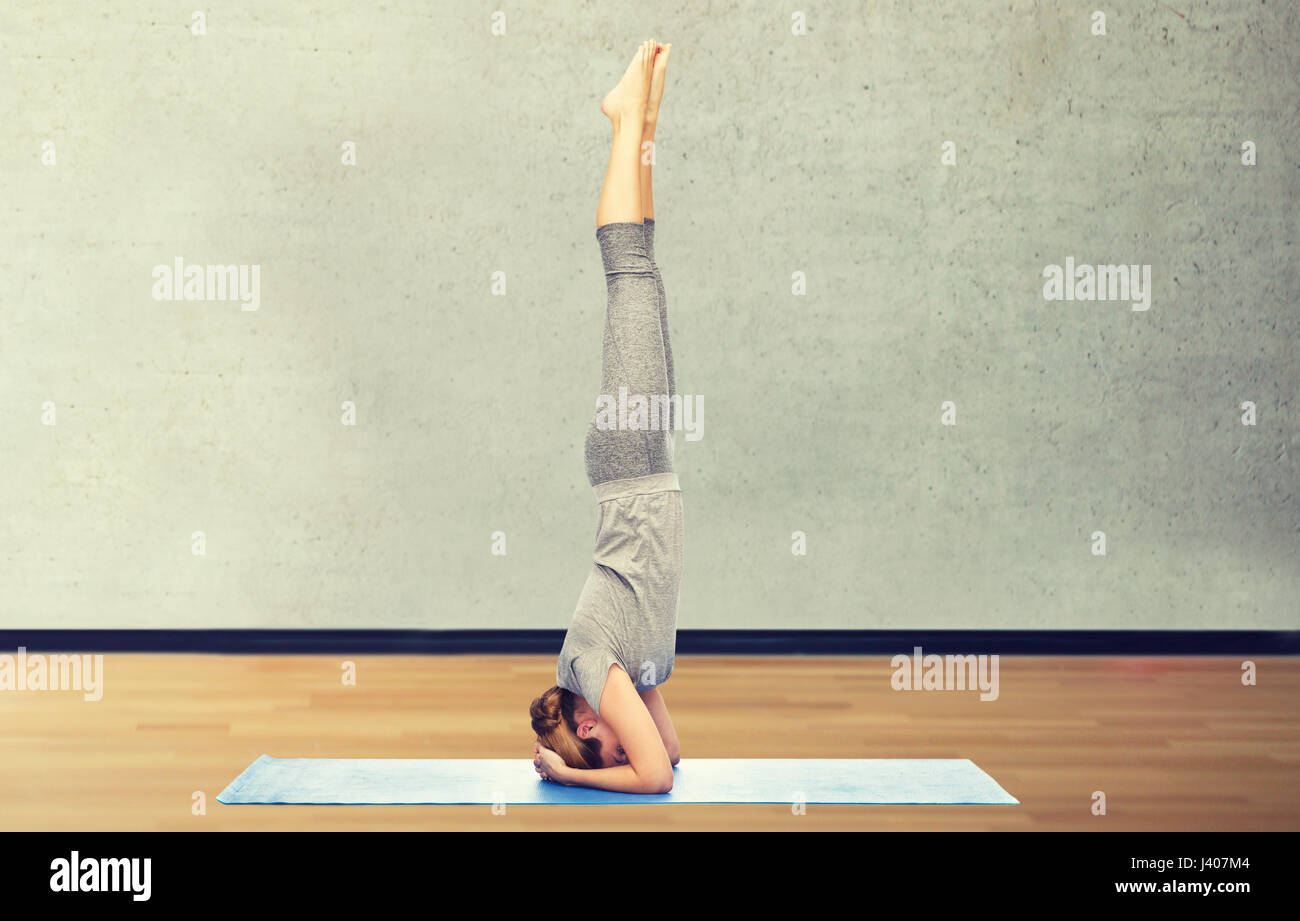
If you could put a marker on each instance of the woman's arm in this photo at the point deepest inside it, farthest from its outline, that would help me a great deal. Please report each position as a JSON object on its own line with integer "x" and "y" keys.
{"x": 654, "y": 703}
{"x": 649, "y": 769}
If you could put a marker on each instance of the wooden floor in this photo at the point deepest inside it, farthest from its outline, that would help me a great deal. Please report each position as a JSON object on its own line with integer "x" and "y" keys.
{"x": 1175, "y": 744}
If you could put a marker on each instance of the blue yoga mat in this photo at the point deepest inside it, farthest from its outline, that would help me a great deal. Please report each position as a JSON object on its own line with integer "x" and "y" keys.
{"x": 394, "y": 781}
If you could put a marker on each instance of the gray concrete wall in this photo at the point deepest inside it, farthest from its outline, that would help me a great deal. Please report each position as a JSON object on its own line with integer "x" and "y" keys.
{"x": 778, "y": 153}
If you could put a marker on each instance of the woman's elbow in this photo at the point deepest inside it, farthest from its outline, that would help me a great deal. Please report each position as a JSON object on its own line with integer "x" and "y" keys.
{"x": 659, "y": 782}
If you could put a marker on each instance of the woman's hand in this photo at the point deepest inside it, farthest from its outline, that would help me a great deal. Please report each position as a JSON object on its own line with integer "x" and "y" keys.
{"x": 549, "y": 765}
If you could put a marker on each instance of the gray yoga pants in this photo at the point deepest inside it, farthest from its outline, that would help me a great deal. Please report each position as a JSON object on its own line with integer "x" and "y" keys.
{"x": 636, "y": 355}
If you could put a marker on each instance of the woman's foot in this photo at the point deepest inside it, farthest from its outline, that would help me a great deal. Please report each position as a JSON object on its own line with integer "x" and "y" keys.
{"x": 657, "y": 86}
{"x": 626, "y": 103}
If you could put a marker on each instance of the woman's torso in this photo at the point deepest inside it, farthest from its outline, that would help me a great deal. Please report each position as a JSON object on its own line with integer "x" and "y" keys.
{"x": 627, "y": 612}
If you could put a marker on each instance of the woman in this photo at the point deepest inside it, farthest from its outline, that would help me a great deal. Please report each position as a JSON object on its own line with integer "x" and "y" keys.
{"x": 604, "y": 724}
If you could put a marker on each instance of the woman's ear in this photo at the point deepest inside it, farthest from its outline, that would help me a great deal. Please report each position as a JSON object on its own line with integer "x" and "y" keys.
{"x": 585, "y": 729}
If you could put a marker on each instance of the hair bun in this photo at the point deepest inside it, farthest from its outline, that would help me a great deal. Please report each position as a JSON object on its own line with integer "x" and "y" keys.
{"x": 545, "y": 712}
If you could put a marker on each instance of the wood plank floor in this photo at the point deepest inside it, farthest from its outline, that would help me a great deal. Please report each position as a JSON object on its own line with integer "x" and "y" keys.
{"x": 1174, "y": 743}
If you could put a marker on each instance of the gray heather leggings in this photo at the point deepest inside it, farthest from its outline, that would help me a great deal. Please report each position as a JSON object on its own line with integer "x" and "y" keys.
{"x": 636, "y": 355}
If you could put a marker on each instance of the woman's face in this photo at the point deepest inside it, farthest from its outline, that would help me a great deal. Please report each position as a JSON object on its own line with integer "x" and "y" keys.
{"x": 590, "y": 726}
{"x": 611, "y": 750}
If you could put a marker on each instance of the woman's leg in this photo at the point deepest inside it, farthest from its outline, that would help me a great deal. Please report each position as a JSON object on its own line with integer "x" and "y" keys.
{"x": 649, "y": 231}
{"x": 651, "y": 122}
{"x": 625, "y": 107}
{"x": 648, "y": 207}
{"x": 633, "y": 358}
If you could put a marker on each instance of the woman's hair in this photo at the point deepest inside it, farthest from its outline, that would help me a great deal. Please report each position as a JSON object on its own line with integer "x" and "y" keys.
{"x": 557, "y": 729}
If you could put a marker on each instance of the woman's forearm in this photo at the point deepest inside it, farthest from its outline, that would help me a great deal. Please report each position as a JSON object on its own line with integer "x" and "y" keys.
{"x": 620, "y": 779}
{"x": 654, "y": 702}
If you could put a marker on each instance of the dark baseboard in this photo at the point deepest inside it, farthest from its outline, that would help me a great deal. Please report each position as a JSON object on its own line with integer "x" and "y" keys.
{"x": 689, "y": 642}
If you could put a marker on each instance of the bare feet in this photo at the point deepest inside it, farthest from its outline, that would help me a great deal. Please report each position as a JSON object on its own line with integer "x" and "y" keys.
{"x": 626, "y": 103}
{"x": 657, "y": 85}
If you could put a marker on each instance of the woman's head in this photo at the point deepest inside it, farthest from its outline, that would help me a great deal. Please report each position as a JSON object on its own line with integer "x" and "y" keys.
{"x": 566, "y": 725}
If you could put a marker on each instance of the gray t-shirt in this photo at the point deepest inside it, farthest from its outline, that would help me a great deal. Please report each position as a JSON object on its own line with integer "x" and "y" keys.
{"x": 627, "y": 612}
